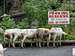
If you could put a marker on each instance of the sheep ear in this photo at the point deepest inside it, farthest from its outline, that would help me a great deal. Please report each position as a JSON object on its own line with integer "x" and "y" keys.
{"x": 4, "y": 49}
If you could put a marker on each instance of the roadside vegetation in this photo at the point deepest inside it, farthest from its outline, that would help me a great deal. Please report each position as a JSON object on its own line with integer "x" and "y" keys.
{"x": 36, "y": 15}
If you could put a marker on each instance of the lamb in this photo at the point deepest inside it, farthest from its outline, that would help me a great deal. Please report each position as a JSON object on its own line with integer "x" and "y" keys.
{"x": 57, "y": 32}
{"x": 11, "y": 35}
{"x": 8, "y": 35}
{"x": 43, "y": 33}
{"x": 17, "y": 35}
{"x": 27, "y": 33}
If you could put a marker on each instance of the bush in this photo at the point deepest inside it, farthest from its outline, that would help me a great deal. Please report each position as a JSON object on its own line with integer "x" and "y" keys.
{"x": 7, "y": 22}
{"x": 23, "y": 23}
{"x": 69, "y": 37}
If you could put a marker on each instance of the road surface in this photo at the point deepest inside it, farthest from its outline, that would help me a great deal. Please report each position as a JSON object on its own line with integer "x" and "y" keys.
{"x": 61, "y": 51}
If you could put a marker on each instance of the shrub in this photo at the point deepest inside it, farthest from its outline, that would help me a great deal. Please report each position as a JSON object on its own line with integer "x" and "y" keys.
{"x": 7, "y": 22}
{"x": 69, "y": 37}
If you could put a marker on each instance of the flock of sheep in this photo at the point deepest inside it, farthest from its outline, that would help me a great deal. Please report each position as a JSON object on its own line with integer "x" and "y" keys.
{"x": 37, "y": 35}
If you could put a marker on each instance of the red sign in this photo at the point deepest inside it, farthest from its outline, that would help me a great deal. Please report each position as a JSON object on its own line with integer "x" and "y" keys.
{"x": 58, "y": 17}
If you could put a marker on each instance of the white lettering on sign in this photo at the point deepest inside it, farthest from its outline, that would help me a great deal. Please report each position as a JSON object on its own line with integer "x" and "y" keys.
{"x": 58, "y": 17}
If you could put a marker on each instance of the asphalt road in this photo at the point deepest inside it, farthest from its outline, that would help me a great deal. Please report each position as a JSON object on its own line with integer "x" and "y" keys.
{"x": 61, "y": 51}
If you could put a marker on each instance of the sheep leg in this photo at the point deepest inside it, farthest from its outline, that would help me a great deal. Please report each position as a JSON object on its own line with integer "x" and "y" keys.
{"x": 43, "y": 44}
{"x": 48, "y": 40}
{"x": 39, "y": 44}
{"x": 35, "y": 39}
{"x": 13, "y": 44}
{"x": 54, "y": 38}
{"x": 60, "y": 39}
{"x": 10, "y": 40}
{"x": 22, "y": 44}
{"x": 36, "y": 44}
{"x": 9, "y": 44}
{"x": 31, "y": 44}
{"x": 23, "y": 41}
{"x": 57, "y": 43}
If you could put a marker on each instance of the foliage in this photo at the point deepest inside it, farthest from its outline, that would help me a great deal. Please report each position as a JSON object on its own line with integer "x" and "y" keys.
{"x": 7, "y": 22}
{"x": 1, "y": 34}
{"x": 69, "y": 37}
{"x": 72, "y": 14}
{"x": 1, "y": 37}
{"x": 71, "y": 26}
{"x": 38, "y": 9}
{"x": 23, "y": 23}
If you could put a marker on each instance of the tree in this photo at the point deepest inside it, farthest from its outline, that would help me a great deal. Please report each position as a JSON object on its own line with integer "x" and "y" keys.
{"x": 38, "y": 9}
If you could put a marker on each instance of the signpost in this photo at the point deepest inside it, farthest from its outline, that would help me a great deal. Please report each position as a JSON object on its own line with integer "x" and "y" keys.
{"x": 58, "y": 17}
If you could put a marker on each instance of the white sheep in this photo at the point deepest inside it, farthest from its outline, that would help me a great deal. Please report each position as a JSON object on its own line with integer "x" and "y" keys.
{"x": 43, "y": 33}
{"x": 27, "y": 33}
{"x": 57, "y": 32}
{"x": 11, "y": 35}
{"x": 8, "y": 35}
{"x": 17, "y": 35}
